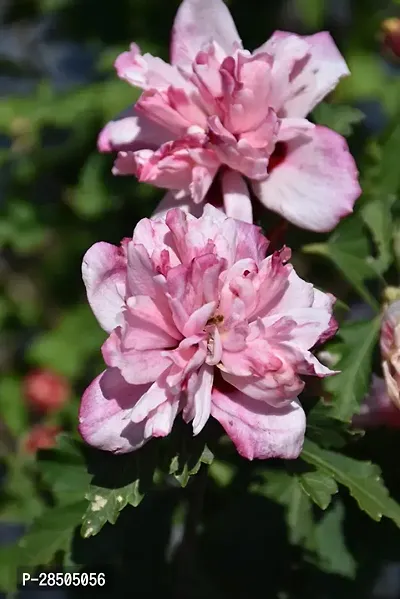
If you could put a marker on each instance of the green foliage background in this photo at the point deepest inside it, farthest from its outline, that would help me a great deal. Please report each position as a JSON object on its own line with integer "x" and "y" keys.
{"x": 285, "y": 530}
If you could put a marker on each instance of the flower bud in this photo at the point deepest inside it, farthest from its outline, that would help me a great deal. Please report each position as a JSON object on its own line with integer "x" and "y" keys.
{"x": 41, "y": 436}
{"x": 391, "y": 37}
{"x": 46, "y": 390}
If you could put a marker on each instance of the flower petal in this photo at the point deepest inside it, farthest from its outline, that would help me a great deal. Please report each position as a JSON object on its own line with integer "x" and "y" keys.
{"x": 258, "y": 430}
{"x": 197, "y": 23}
{"x": 104, "y": 413}
{"x": 236, "y": 194}
{"x": 199, "y": 397}
{"x": 316, "y": 184}
{"x": 132, "y": 131}
{"x": 147, "y": 71}
{"x": 138, "y": 367}
{"x": 305, "y": 70}
{"x": 171, "y": 201}
{"x": 104, "y": 275}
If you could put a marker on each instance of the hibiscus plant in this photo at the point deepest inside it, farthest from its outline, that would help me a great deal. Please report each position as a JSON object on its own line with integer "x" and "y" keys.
{"x": 207, "y": 398}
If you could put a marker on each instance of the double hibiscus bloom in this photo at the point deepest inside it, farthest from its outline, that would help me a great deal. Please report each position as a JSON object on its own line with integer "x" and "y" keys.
{"x": 201, "y": 320}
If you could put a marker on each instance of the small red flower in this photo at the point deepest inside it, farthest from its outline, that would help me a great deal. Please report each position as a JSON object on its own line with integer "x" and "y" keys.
{"x": 41, "y": 436}
{"x": 46, "y": 390}
{"x": 391, "y": 37}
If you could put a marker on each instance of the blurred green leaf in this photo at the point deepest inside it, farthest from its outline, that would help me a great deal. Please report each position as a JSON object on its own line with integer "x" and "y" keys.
{"x": 65, "y": 349}
{"x": 362, "y": 479}
{"x": 349, "y": 250}
{"x": 377, "y": 215}
{"x": 64, "y": 470}
{"x": 296, "y": 493}
{"x": 12, "y": 405}
{"x": 350, "y": 386}
{"x": 338, "y": 117}
{"x": 286, "y": 490}
{"x": 50, "y": 533}
{"x": 312, "y": 12}
{"x": 9, "y": 562}
{"x": 325, "y": 430}
{"x": 333, "y": 555}
{"x": 90, "y": 198}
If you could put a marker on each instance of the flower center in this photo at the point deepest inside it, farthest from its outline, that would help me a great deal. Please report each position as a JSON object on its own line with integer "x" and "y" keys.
{"x": 217, "y": 319}
{"x": 278, "y": 156}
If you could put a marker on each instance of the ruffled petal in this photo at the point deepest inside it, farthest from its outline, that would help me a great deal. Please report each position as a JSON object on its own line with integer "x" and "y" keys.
{"x": 236, "y": 194}
{"x": 132, "y": 131}
{"x": 138, "y": 367}
{"x": 305, "y": 70}
{"x": 258, "y": 430}
{"x": 104, "y": 275}
{"x": 197, "y": 23}
{"x": 104, "y": 413}
{"x": 316, "y": 184}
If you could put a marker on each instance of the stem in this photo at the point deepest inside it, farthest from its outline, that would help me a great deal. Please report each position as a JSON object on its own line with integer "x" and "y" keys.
{"x": 186, "y": 554}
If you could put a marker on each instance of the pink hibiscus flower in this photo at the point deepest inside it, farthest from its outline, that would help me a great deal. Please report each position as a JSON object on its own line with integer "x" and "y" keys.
{"x": 220, "y": 111}
{"x": 201, "y": 323}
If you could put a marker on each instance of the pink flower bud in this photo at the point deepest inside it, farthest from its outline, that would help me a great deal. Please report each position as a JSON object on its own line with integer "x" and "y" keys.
{"x": 45, "y": 390}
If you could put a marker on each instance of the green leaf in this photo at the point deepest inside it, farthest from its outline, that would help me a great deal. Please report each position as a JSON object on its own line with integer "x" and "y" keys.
{"x": 119, "y": 481}
{"x": 377, "y": 215}
{"x": 9, "y": 562}
{"x": 105, "y": 506}
{"x": 12, "y": 405}
{"x": 64, "y": 470}
{"x": 295, "y": 493}
{"x": 327, "y": 431}
{"x": 312, "y": 12}
{"x": 50, "y": 533}
{"x": 338, "y": 117}
{"x": 349, "y": 250}
{"x": 58, "y": 349}
{"x": 333, "y": 555}
{"x": 90, "y": 198}
{"x": 388, "y": 175}
{"x": 351, "y": 385}
{"x": 319, "y": 487}
{"x": 382, "y": 184}
{"x": 286, "y": 490}
{"x": 363, "y": 480}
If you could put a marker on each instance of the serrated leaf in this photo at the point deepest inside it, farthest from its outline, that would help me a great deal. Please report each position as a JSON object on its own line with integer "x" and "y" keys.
{"x": 338, "y": 117}
{"x": 377, "y": 215}
{"x": 50, "y": 533}
{"x": 183, "y": 466}
{"x": 333, "y": 555}
{"x": 327, "y": 431}
{"x": 105, "y": 505}
{"x": 319, "y": 487}
{"x": 351, "y": 385}
{"x": 349, "y": 251}
{"x": 64, "y": 470}
{"x": 362, "y": 479}
{"x": 286, "y": 490}
{"x": 184, "y": 454}
{"x": 382, "y": 185}
{"x": 117, "y": 481}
